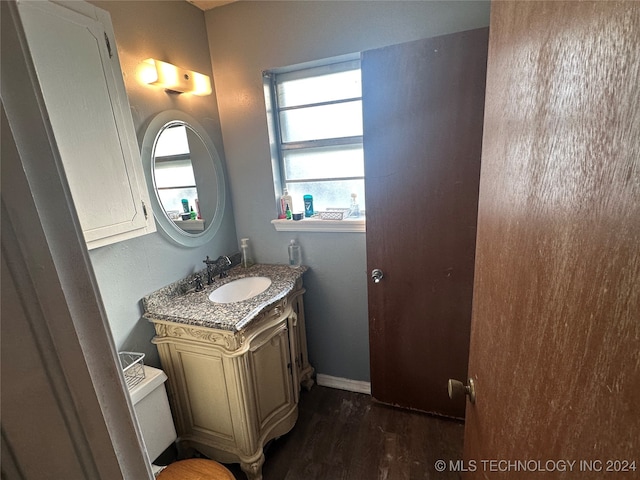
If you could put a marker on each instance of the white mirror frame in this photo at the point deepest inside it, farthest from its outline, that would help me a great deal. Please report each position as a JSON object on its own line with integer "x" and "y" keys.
{"x": 167, "y": 226}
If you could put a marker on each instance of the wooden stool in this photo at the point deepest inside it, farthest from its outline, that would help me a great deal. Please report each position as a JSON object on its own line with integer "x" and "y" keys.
{"x": 195, "y": 469}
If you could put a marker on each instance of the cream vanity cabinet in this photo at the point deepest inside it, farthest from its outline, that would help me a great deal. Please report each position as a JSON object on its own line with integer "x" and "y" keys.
{"x": 232, "y": 392}
{"x": 76, "y": 63}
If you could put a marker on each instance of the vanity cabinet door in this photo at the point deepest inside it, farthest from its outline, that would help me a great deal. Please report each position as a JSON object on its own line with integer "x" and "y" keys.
{"x": 77, "y": 67}
{"x": 303, "y": 371}
{"x": 271, "y": 370}
{"x": 206, "y": 386}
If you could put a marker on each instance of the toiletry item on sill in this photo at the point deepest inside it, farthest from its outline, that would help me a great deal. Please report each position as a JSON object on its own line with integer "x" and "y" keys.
{"x": 285, "y": 200}
{"x": 192, "y": 214}
{"x": 354, "y": 210}
{"x": 295, "y": 255}
{"x": 298, "y": 216}
{"x": 185, "y": 205}
{"x": 288, "y": 212}
{"x": 308, "y": 205}
{"x": 247, "y": 257}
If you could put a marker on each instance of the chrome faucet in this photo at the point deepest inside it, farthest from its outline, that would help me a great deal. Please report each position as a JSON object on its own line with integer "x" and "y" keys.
{"x": 220, "y": 266}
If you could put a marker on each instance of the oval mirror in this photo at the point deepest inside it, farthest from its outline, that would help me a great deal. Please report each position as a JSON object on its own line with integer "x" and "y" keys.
{"x": 184, "y": 177}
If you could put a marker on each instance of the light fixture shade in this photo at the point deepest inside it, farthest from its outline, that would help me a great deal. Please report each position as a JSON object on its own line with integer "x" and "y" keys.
{"x": 174, "y": 79}
{"x": 201, "y": 84}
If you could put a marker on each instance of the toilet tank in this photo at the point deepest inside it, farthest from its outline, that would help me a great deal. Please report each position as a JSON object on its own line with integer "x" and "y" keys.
{"x": 151, "y": 405}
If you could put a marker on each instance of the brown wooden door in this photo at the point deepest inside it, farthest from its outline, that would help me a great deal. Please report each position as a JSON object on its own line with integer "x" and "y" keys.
{"x": 423, "y": 108}
{"x": 555, "y": 345}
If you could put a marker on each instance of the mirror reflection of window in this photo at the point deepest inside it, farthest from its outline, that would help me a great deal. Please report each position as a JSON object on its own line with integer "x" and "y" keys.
{"x": 181, "y": 162}
{"x": 173, "y": 171}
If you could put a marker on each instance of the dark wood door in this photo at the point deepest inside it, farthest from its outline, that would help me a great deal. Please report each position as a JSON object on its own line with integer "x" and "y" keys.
{"x": 555, "y": 345}
{"x": 423, "y": 108}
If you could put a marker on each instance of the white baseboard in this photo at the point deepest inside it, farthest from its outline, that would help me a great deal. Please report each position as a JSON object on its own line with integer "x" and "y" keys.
{"x": 357, "y": 386}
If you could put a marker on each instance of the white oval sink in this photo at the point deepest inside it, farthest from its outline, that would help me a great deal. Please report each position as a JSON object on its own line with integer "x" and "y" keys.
{"x": 239, "y": 290}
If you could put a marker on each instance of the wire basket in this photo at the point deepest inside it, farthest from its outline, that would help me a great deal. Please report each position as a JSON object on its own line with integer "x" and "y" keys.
{"x": 337, "y": 214}
{"x": 133, "y": 367}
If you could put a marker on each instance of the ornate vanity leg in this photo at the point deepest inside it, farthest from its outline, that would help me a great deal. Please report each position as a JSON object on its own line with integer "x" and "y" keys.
{"x": 307, "y": 380}
{"x": 253, "y": 470}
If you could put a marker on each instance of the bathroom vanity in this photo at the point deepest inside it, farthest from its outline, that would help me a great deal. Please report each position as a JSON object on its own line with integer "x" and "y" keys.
{"x": 235, "y": 369}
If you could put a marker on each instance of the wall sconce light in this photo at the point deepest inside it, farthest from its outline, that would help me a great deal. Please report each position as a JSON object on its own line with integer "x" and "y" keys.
{"x": 173, "y": 79}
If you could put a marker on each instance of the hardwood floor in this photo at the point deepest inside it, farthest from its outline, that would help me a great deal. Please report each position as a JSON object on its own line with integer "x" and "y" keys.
{"x": 347, "y": 436}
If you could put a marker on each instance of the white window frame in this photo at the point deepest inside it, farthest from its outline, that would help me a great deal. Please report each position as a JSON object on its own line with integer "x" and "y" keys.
{"x": 277, "y": 146}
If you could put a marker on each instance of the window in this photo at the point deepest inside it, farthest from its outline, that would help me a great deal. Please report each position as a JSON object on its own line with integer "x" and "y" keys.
{"x": 316, "y": 131}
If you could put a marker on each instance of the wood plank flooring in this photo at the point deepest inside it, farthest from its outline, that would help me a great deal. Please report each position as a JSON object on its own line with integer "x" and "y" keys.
{"x": 347, "y": 436}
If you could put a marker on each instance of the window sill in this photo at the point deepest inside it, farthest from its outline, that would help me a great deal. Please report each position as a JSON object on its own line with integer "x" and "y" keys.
{"x": 357, "y": 225}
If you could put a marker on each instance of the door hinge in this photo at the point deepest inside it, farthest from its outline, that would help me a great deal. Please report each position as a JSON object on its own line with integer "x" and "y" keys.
{"x": 144, "y": 210}
{"x": 108, "y": 43}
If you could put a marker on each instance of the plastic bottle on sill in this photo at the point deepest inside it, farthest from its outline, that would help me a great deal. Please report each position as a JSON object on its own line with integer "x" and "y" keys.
{"x": 245, "y": 249}
{"x": 285, "y": 200}
{"x": 354, "y": 209}
{"x": 295, "y": 254}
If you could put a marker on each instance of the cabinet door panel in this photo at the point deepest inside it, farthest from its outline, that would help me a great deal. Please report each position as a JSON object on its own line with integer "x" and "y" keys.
{"x": 270, "y": 366}
{"x": 207, "y": 397}
{"x": 78, "y": 71}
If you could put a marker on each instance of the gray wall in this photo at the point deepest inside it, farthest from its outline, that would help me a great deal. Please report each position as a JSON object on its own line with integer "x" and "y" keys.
{"x": 173, "y": 31}
{"x": 246, "y": 38}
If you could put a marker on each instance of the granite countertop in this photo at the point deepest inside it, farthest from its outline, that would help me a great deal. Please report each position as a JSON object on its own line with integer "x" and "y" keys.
{"x": 180, "y": 303}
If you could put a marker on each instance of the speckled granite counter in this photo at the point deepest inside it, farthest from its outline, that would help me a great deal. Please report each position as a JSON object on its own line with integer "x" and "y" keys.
{"x": 180, "y": 303}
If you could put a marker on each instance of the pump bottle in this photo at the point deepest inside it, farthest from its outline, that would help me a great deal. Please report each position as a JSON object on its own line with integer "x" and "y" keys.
{"x": 295, "y": 255}
{"x": 354, "y": 209}
{"x": 245, "y": 249}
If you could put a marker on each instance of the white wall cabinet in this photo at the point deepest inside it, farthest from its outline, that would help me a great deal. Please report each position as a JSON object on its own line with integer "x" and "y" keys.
{"x": 232, "y": 392}
{"x": 76, "y": 61}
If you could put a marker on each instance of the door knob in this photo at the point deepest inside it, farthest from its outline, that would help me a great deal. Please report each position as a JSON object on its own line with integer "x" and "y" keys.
{"x": 377, "y": 275}
{"x": 457, "y": 388}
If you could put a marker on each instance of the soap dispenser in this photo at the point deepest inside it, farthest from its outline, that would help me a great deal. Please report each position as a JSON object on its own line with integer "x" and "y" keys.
{"x": 247, "y": 258}
{"x": 295, "y": 255}
{"x": 354, "y": 209}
